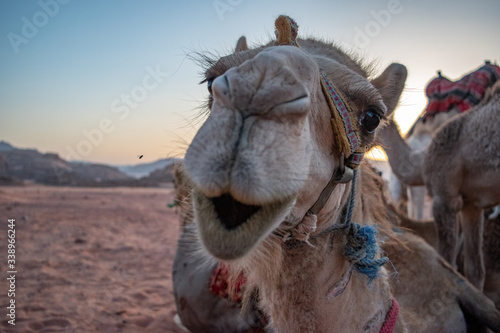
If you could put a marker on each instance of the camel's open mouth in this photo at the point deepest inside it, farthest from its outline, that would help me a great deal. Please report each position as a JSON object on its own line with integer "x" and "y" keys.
{"x": 230, "y": 229}
{"x": 231, "y": 212}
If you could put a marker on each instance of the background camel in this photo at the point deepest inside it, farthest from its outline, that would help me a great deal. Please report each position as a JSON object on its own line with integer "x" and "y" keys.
{"x": 407, "y": 163}
{"x": 446, "y": 99}
{"x": 263, "y": 161}
{"x": 467, "y": 150}
{"x": 457, "y": 183}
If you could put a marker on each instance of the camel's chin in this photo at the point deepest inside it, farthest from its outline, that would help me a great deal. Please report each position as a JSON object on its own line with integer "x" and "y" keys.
{"x": 233, "y": 237}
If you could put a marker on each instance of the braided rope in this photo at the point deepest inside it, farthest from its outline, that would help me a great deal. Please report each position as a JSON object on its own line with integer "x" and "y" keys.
{"x": 391, "y": 318}
{"x": 361, "y": 249}
{"x": 361, "y": 244}
{"x": 352, "y": 198}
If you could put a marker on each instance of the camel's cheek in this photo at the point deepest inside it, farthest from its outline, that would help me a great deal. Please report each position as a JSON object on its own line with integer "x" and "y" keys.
{"x": 209, "y": 158}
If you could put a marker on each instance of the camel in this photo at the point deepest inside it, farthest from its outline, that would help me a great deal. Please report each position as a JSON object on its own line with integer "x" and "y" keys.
{"x": 460, "y": 170}
{"x": 281, "y": 195}
{"x": 201, "y": 310}
{"x": 446, "y": 99}
{"x": 470, "y": 183}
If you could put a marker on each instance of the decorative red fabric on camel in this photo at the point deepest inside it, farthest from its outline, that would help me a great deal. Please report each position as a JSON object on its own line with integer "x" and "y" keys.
{"x": 221, "y": 285}
{"x": 463, "y": 94}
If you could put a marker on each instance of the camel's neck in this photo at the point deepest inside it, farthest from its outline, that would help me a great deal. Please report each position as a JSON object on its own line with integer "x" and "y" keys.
{"x": 405, "y": 163}
{"x": 318, "y": 290}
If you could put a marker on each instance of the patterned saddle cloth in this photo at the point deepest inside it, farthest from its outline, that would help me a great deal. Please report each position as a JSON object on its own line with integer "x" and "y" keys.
{"x": 462, "y": 94}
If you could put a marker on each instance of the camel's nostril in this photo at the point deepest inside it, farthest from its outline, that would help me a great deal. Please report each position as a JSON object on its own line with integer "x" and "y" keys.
{"x": 232, "y": 213}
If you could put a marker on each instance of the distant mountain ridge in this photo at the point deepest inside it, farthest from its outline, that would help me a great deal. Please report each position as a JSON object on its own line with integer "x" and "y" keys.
{"x": 5, "y": 146}
{"x": 19, "y": 166}
{"x": 145, "y": 169}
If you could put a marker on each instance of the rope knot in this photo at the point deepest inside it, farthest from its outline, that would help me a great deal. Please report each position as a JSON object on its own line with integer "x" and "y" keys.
{"x": 361, "y": 249}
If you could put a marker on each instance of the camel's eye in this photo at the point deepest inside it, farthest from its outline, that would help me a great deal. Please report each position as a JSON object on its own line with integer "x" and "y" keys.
{"x": 209, "y": 86}
{"x": 371, "y": 121}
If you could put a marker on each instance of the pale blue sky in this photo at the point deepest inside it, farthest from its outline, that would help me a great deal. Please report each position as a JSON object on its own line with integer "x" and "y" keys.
{"x": 69, "y": 74}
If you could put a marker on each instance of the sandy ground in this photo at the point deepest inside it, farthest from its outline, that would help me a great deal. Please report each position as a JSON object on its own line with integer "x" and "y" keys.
{"x": 89, "y": 260}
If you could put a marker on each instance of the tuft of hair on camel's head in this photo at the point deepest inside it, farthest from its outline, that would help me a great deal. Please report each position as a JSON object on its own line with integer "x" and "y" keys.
{"x": 284, "y": 117}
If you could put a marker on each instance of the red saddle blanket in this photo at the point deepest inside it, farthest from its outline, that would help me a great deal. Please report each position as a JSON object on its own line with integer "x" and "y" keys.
{"x": 462, "y": 94}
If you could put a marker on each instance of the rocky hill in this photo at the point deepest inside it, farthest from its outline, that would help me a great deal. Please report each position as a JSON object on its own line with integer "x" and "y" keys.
{"x": 5, "y": 146}
{"x": 30, "y": 166}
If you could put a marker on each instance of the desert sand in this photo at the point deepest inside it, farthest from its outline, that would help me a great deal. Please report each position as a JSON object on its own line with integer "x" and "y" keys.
{"x": 90, "y": 259}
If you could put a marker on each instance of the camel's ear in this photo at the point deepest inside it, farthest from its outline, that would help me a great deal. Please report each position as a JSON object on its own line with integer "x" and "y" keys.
{"x": 241, "y": 45}
{"x": 390, "y": 84}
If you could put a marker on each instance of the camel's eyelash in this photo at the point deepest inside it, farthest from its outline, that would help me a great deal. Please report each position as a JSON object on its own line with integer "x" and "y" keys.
{"x": 377, "y": 111}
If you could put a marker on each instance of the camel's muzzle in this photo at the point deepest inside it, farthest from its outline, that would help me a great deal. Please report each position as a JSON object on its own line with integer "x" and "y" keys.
{"x": 230, "y": 229}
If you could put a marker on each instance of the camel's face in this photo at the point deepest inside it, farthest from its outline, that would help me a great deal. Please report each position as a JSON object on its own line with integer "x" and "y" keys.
{"x": 261, "y": 153}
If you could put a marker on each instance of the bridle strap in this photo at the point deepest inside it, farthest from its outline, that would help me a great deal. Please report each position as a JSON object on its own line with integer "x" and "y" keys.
{"x": 345, "y": 129}
{"x": 341, "y": 175}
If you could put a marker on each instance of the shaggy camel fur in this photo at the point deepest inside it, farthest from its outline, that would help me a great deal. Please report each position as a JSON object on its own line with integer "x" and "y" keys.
{"x": 259, "y": 163}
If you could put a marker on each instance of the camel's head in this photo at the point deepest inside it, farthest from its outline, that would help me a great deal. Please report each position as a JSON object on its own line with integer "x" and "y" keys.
{"x": 267, "y": 149}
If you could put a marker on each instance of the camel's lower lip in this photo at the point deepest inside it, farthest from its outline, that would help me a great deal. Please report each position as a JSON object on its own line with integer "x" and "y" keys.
{"x": 230, "y": 229}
